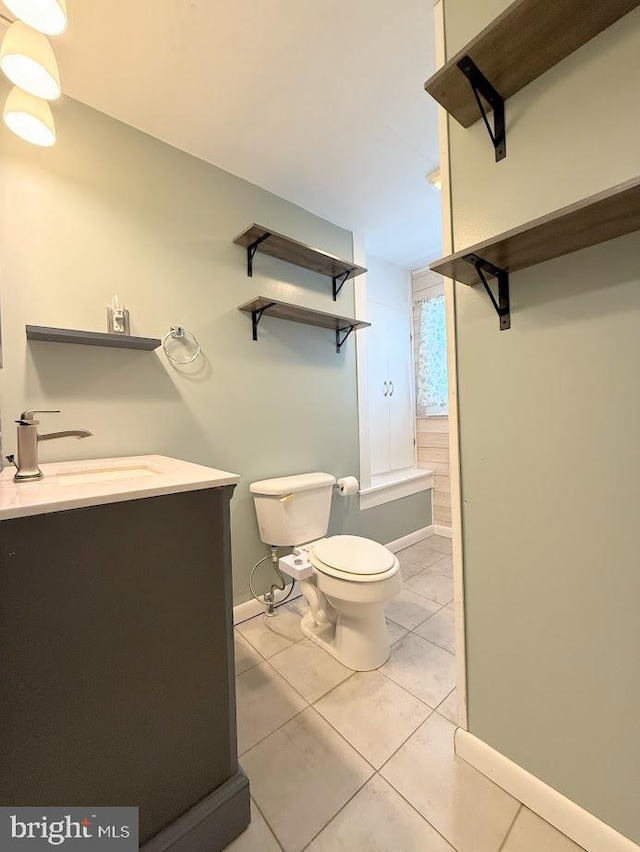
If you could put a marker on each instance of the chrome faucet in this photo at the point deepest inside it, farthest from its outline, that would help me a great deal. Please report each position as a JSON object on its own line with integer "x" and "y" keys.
{"x": 28, "y": 440}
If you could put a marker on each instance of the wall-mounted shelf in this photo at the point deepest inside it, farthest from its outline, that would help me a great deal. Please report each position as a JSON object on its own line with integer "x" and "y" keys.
{"x": 527, "y": 39}
{"x": 90, "y": 338}
{"x": 605, "y": 216}
{"x": 343, "y": 326}
{"x": 257, "y": 238}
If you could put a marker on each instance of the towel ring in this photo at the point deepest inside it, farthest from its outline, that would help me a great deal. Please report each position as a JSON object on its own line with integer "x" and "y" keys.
{"x": 179, "y": 332}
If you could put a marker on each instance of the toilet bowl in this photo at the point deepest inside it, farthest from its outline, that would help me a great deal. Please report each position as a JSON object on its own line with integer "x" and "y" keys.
{"x": 352, "y": 580}
{"x": 346, "y": 579}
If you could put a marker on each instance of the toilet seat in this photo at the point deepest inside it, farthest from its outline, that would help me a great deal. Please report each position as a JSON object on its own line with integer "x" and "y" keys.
{"x": 353, "y": 559}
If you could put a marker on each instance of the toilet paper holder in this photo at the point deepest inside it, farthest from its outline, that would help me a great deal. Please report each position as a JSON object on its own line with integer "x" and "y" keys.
{"x": 347, "y": 486}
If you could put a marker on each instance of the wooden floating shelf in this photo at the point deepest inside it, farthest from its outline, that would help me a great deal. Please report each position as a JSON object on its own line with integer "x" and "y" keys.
{"x": 526, "y": 40}
{"x": 605, "y": 216}
{"x": 296, "y": 313}
{"x": 597, "y": 219}
{"x": 257, "y": 238}
{"x": 90, "y": 338}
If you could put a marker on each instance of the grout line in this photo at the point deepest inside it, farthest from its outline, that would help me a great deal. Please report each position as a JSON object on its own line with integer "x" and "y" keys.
{"x": 246, "y": 751}
{"x": 422, "y": 816}
{"x": 329, "y": 821}
{"x": 510, "y": 829}
{"x": 275, "y": 836}
{"x": 355, "y": 748}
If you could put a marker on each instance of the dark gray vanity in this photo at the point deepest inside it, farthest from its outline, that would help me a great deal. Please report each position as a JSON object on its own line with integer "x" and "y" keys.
{"x": 116, "y": 652}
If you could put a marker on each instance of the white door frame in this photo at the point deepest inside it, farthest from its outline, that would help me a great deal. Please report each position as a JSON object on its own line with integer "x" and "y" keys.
{"x": 454, "y": 440}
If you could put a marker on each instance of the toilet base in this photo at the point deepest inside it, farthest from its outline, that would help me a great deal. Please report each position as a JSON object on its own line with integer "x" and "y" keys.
{"x": 360, "y": 642}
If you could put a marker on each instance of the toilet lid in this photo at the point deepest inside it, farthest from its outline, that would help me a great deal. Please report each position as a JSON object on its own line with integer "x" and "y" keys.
{"x": 354, "y": 555}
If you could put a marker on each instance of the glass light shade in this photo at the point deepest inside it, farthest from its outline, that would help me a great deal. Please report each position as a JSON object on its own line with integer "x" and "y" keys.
{"x": 47, "y": 16}
{"x": 27, "y": 60}
{"x": 30, "y": 118}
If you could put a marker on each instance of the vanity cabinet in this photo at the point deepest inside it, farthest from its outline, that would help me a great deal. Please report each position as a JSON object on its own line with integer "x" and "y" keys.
{"x": 116, "y": 661}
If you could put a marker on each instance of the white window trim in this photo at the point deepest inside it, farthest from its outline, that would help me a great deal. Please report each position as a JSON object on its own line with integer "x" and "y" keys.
{"x": 394, "y": 485}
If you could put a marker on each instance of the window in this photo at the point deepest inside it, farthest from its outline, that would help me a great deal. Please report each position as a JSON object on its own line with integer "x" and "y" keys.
{"x": 432, "y": 384}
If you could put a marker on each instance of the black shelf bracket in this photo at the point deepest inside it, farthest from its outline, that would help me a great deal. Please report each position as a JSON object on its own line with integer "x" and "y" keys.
{"x": 340, "y": 343}
{"x": 252, "y": 248}
{"x": 502, "y": 305}
{"x": 481, "y": 86}
{"x": 339, "y": 279}
{"x": 256, "y": 316}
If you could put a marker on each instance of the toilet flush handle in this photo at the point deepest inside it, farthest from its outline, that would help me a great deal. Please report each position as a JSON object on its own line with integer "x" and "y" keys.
{"x": 287, "y": 498}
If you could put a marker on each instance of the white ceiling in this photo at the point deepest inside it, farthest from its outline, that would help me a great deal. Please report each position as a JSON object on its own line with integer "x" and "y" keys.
{"x": 319, "y": 101}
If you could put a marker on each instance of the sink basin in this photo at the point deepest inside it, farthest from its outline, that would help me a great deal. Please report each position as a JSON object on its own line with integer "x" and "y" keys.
{"x": 94, "y": 482}
{"x": 105, "y": 474}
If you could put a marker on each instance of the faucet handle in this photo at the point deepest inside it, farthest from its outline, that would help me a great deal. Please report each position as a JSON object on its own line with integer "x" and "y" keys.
{"x": 27, "y": 419}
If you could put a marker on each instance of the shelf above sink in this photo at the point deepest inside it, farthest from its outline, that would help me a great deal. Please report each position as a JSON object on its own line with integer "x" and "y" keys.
{"x": 44, "y": 334}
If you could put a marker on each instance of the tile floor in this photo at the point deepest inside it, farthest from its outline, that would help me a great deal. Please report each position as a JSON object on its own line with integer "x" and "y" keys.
{"x": 343, "y": 761}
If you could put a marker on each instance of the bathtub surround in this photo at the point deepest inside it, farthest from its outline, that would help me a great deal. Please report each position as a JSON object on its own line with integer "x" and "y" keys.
{"x": 112, "y": 209}
{"x": 548, "y": 415}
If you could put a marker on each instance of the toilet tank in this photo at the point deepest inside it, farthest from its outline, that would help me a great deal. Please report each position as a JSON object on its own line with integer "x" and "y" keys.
{"x": 293, "y": 510}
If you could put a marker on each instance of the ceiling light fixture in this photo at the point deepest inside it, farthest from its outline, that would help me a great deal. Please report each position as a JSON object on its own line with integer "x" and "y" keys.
{"x": 435, "y": 179}
{"x": 30, "y": 118}
{"x": 47, "y": 16}
{"x": 27, "y": 59}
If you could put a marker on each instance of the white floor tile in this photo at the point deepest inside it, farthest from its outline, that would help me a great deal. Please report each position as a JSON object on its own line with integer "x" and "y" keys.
{"x": 377, "y": 819}
{"x": 395, "y": 631}
{"x": 409, "y": 609}
{"x": 257, "y": 838}
{"x": 436, "y": 587}
{"x": 264, "y": 702}
{"x": 443, "y": 566}
{"x": 269, "y": 636}
{"x": 309, "y": 669}
{"x": 440, "y": 542}
{"x": 530, "y": 833}
{"x": 301, "y": 776}
{"x": 449, "y": 708}
{"x": 246, "y": 655}
{"x": 373, "y": 714}
{"x": 421, "y": 554}
{"x": 427, "y": 671}
{"x": 468, "y": 809}
{"x": 439, "y": 629}
{"x": 409, "y": 569}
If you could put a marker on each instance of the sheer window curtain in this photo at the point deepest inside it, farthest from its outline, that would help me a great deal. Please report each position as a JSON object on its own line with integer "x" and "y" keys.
{"x": 432, "y": 383}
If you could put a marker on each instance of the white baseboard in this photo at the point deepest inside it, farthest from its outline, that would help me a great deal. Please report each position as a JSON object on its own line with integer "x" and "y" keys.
{"x": 408, "y": 540}
{"x": 445, "y": 532}
{"x": 581, "y": 826}
{"x": 245, "y": 611}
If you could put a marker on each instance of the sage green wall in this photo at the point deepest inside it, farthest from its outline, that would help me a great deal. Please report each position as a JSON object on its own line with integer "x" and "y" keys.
{"x": 109, "y": 209}
{"x": 549, "y": 415}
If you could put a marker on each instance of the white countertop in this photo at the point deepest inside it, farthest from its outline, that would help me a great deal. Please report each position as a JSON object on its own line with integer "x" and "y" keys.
{"x": 72, "y": 485}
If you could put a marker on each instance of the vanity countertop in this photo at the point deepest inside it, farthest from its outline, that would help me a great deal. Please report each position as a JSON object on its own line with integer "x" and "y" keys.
{"x": 73, "y": 485}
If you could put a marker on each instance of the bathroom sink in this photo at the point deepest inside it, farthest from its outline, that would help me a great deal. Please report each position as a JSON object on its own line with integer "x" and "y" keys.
{"x": 105, "y": 474}
{"x": 92, "y": 482}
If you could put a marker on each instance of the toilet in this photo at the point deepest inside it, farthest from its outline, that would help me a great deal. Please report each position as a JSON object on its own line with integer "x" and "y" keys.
{"x": 346, "y": 579}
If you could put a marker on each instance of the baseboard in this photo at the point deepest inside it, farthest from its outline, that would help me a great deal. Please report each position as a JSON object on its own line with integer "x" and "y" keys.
{"x": 581, "y": 826}
{"x": 445, "y": 532}
{"x": 211, "y": 824}
{"x": 408, "y": 540}
{"x": 245, "y": 611}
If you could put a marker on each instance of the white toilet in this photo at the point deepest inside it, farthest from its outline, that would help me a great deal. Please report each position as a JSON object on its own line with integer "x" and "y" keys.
{"x": 347, "y": 580}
